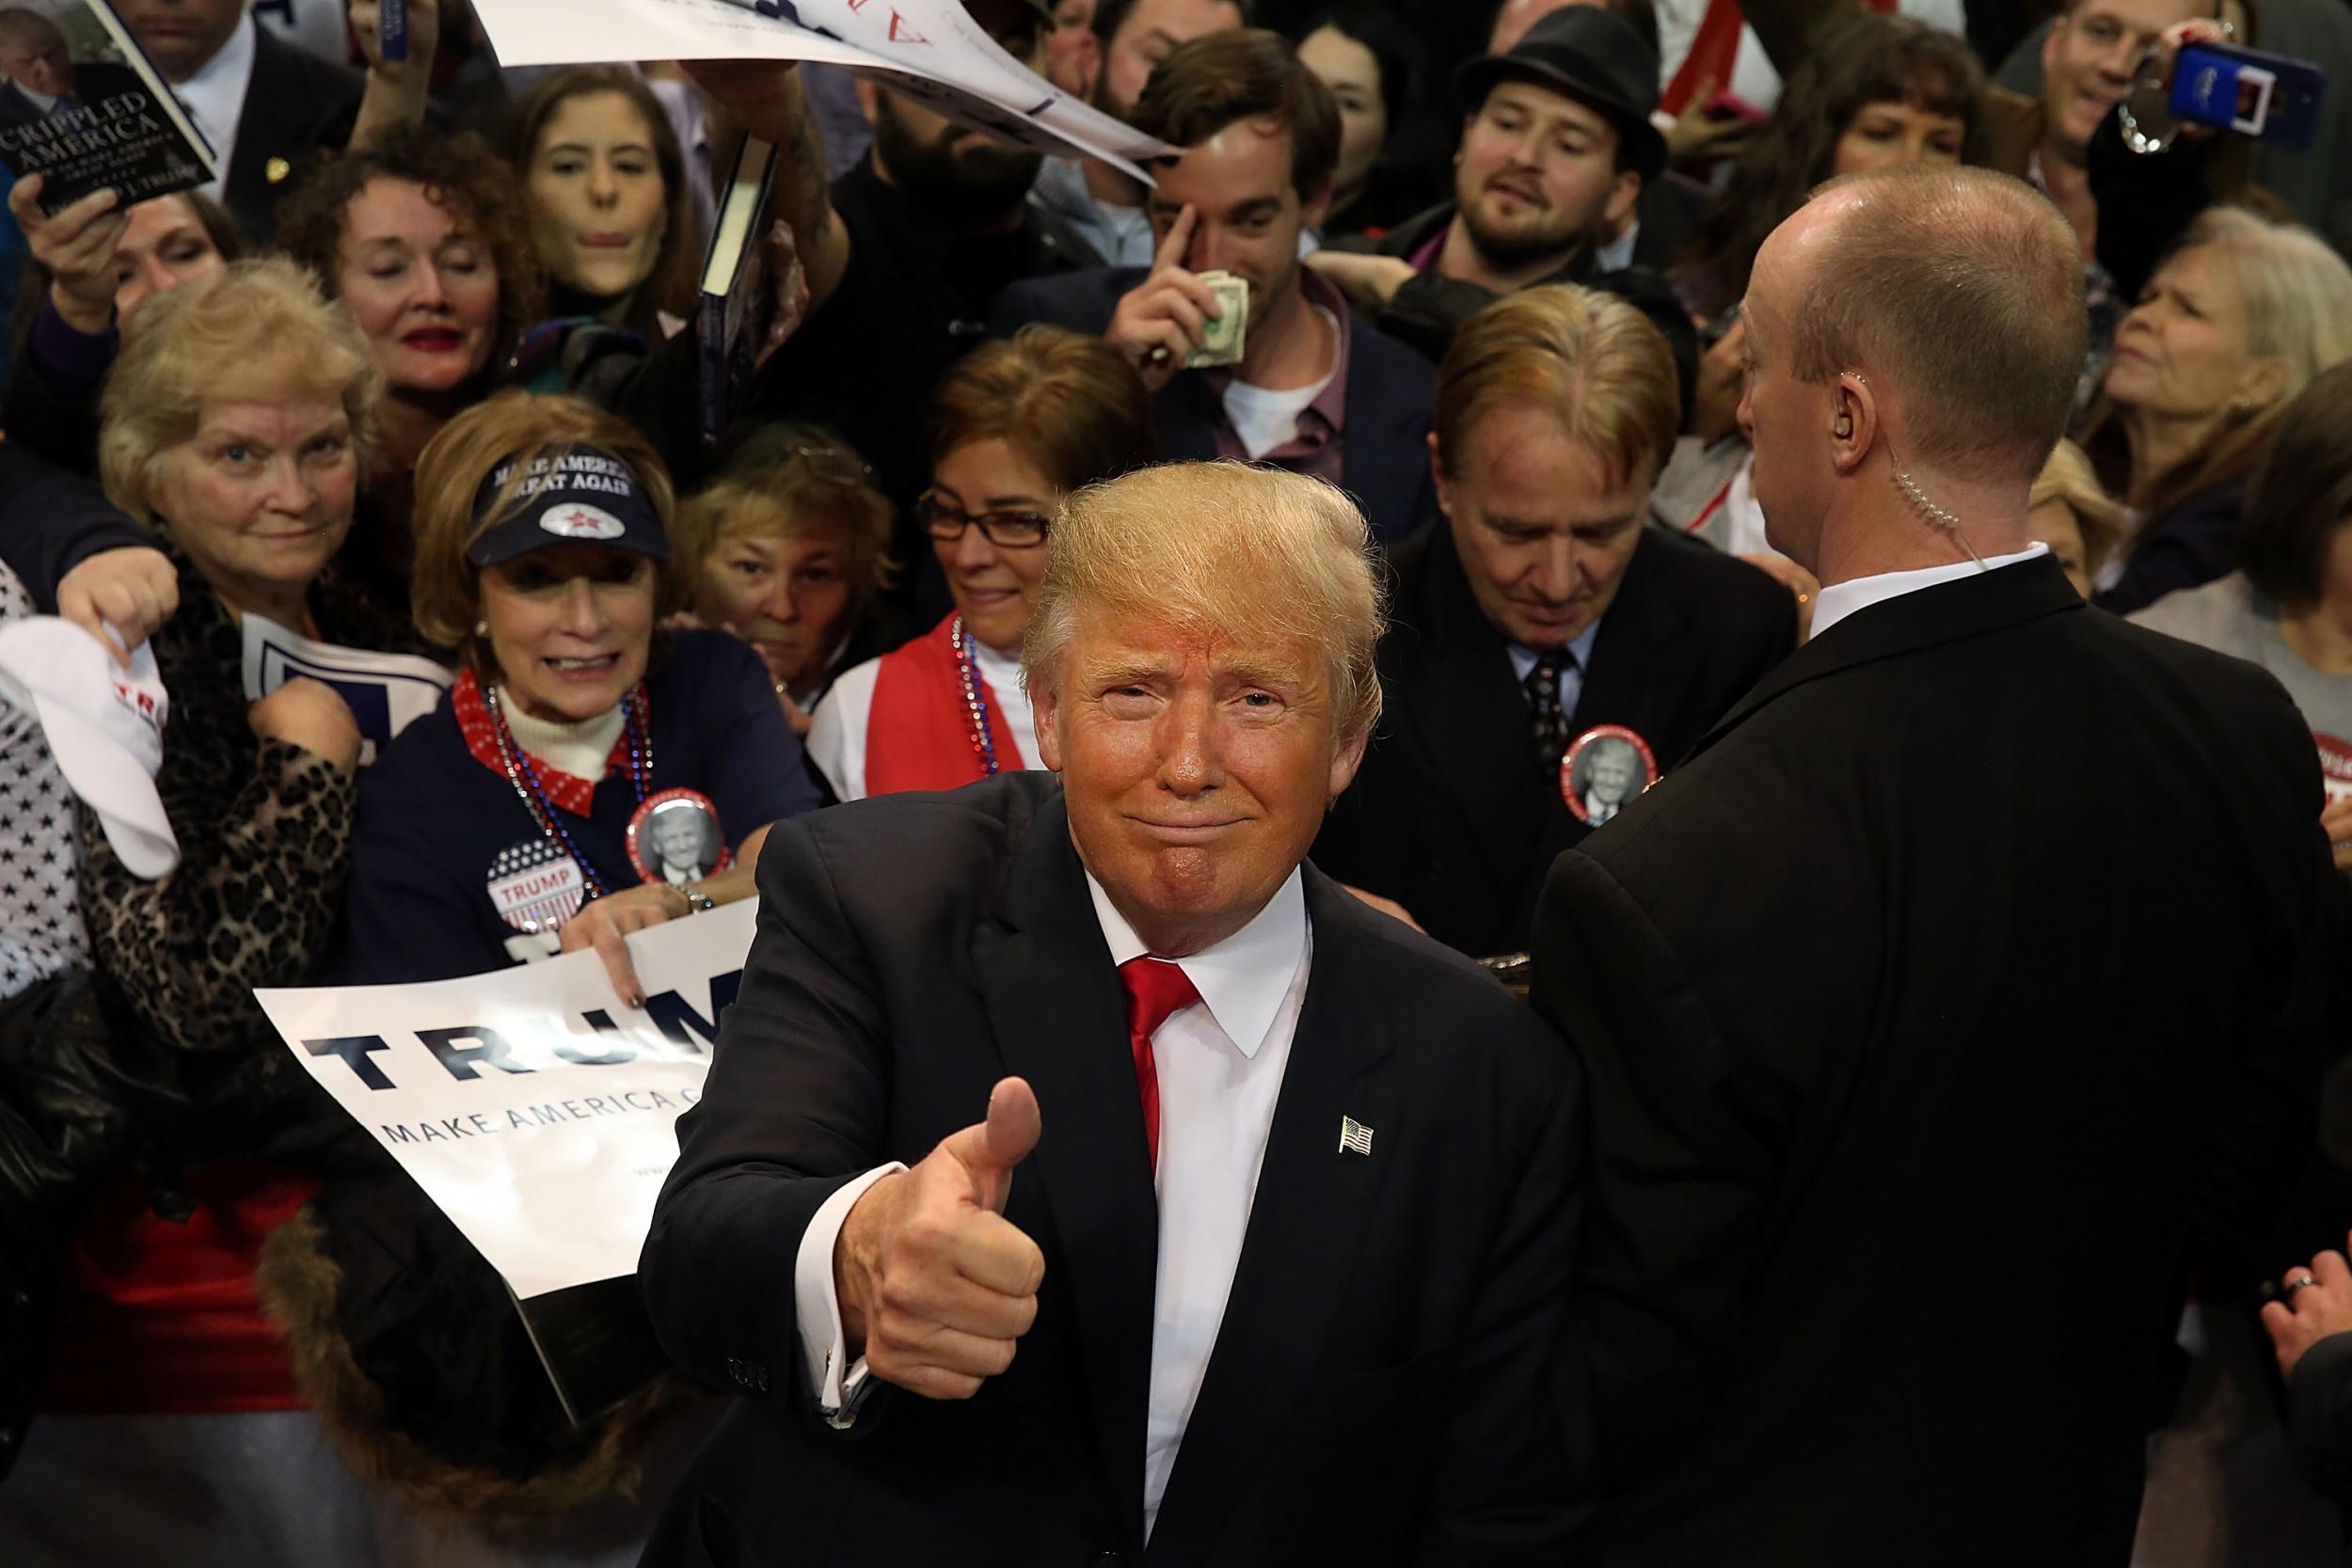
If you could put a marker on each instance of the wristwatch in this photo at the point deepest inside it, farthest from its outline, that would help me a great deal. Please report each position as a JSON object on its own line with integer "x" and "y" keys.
{"x": 696, "y": 899}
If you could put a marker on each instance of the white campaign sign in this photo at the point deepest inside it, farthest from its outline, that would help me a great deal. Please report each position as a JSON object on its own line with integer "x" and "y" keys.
{"x": 385, "y": 692}
{"x": 928, "y": 49}
{"x": 528, "y": 1102}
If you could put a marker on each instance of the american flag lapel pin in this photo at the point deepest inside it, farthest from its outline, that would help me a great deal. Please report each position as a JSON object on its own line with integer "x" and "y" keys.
{"x": 1355, "y": 1137}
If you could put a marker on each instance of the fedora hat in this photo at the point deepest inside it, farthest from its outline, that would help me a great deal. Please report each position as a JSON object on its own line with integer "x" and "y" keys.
{"x": 1591, "y": 55}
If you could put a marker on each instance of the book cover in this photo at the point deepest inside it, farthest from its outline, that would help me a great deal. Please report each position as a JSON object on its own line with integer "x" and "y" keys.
{"x": 82, "y": 107}
{"x": 738, "y": 293}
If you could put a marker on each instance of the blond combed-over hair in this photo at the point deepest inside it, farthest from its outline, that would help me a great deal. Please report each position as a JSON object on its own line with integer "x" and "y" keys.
{"x": 258, "y": 331}
{"x": 1249, "y": 553}
{"x": 445, "y": 592}
{"x": 1590, "y": 358}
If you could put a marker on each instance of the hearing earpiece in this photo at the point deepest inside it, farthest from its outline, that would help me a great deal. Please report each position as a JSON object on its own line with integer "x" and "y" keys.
{"x": 1843, "y": 429}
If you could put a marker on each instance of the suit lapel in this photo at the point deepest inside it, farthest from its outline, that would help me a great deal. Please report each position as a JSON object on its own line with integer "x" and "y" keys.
{"x": 1306, "y": 1230}
{"x": 1383, "y": 462}
{"x": 1967, "y": 607}
{"x": 1055, "y": 1003}
{"x": 1638, "y": 653}
{"x": 1463, "y": 709}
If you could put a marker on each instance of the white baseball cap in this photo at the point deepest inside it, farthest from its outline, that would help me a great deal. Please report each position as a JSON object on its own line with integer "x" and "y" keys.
{"x": 105, "y": 725}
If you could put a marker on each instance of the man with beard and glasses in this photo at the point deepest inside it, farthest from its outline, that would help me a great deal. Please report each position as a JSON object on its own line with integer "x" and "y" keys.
{"x": 1110, "y": 61}
{"x": 1556, "y": 146}
{"x": 904, "y": 256}
{"x": 1318, "y": 391}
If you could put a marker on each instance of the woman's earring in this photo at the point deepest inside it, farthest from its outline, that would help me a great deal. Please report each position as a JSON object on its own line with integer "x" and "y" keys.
{"x": 482, "y": 629}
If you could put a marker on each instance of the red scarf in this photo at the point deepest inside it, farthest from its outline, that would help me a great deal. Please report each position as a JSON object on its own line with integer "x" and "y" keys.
{"x": 919, "y": 734}
{"x": 572, "y": 794}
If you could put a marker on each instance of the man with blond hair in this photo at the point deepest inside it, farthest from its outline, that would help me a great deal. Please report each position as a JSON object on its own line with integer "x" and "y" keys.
{"x": 1539, "y": 620}
{"x": 1079, "y": 1168}
{"x": 1960, "y": 993}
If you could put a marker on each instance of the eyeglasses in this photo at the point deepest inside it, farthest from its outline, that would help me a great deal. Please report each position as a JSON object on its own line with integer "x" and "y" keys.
{"x": 836, "y": 463}
{"x": 945, "y": 522}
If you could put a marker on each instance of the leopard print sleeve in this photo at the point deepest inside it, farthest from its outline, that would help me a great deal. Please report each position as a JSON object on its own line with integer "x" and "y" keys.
{"x": 251, "y": 903}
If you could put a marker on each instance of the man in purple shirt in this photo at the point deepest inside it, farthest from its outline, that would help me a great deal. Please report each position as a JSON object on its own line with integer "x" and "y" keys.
{"x": 1317, "y": 390}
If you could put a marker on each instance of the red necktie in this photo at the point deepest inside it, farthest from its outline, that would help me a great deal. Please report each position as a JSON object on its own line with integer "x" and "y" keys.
{"x": 1156, "y": 989}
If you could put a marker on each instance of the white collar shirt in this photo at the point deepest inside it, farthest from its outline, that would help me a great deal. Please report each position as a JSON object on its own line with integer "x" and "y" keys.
{"x": 214, "y": 99}
{"x": 1841, "y": 599}
{"x": 1221, "y": 1063}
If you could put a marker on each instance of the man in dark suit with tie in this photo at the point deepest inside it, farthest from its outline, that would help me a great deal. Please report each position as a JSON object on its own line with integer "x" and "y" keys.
{"x": 43, "y": 75}
{"x": 1260, "y": 1256}
{"x": 266, "y": 105}
{"x": 1319, "y": 390}
{"x": 1541, "y": 631}
{"x": 1960, "y": 993}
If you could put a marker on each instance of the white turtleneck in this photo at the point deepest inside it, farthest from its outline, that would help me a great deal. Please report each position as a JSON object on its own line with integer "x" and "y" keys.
{"x": 579, "y": 748}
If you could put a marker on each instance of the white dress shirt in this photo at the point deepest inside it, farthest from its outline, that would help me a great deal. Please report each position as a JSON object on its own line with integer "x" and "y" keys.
{"x": 1841, "y": 599}
{"x": 837, "y": 731}
{"x": 215, "y": 98}
{"x": 1220, "y": 1065}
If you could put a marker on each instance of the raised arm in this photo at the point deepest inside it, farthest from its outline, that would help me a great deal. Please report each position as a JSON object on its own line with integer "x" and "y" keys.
{"x": 397, "y": 91}
{"x": 772, "y": 103}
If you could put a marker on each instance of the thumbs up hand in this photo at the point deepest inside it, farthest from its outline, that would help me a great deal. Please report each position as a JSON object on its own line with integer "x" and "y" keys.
{"x": 933, "y": 1279}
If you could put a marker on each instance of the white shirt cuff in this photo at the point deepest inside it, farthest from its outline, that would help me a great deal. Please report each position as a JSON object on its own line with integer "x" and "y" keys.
{"x": 817, "y": 1305}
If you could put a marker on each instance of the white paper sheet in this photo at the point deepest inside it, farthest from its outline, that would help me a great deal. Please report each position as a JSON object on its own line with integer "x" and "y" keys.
{"x": 528, "y": 1102}
{"x": 927, "y": 49}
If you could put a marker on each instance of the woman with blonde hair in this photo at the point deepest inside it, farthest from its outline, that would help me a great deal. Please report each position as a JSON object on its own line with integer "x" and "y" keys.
{"x": 2239, "y": 317}
{"x": 2068, "y": 511}
{"x": 1013, "y": 429}
{"x": 788, "y": 548}
{"x": 236, "y": 422}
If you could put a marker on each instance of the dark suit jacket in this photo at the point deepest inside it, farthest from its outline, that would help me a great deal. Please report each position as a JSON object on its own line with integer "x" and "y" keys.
{"x": 1388, "y": 1385}
{"x": 1957, "y": 992}
{"x": 1449, "y": 816}
{"x": 92, "y": 82}
{"x": 1383, "y": 462}
{"x": 296, "y": 105}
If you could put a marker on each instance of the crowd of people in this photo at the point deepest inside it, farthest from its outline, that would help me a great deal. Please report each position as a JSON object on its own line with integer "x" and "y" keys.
{"x": 1532, "y": 326}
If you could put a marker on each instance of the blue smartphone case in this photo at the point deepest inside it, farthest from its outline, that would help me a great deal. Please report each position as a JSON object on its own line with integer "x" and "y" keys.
{"x": 2273, "y": 98}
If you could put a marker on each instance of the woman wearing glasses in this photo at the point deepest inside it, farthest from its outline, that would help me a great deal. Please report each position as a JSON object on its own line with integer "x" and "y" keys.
{"x": 1012, "y": 428}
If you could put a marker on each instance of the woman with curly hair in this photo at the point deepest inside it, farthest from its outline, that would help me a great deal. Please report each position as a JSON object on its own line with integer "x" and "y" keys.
{"x": 422, "y": 239}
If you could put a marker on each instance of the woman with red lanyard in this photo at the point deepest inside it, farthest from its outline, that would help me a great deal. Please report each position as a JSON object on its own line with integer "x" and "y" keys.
{"x": 1016, "y": 426}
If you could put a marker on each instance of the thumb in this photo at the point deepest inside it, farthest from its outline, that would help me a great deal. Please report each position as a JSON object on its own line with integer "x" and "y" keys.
{"x": 989, "y": 1150}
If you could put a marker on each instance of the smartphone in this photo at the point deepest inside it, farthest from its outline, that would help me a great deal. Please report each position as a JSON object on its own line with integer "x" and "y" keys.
{"x": 2273, "y": 98}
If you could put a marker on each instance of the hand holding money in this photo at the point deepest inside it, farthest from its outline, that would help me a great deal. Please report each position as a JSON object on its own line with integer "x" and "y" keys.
{"x": 1174, "y": 313}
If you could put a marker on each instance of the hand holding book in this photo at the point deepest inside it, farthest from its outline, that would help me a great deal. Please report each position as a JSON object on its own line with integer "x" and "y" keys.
{"x": 77, "y": 248}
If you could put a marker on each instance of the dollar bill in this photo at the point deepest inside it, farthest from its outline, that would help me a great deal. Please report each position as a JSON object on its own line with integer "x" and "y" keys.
{"x": 1229, "y": 329}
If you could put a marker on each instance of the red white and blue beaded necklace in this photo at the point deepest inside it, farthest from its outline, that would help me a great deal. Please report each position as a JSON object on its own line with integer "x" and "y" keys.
{"x": 517, "y": 763}
{"x": 975, "y": 696}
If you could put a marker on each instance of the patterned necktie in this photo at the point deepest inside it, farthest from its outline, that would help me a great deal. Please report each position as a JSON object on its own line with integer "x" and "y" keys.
{"x": 1550, "y": 722}
{"x": 1156, "y": 989}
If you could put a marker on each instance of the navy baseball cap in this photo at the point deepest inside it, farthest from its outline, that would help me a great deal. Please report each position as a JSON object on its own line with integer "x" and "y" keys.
{"x": 583, "y": 494}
